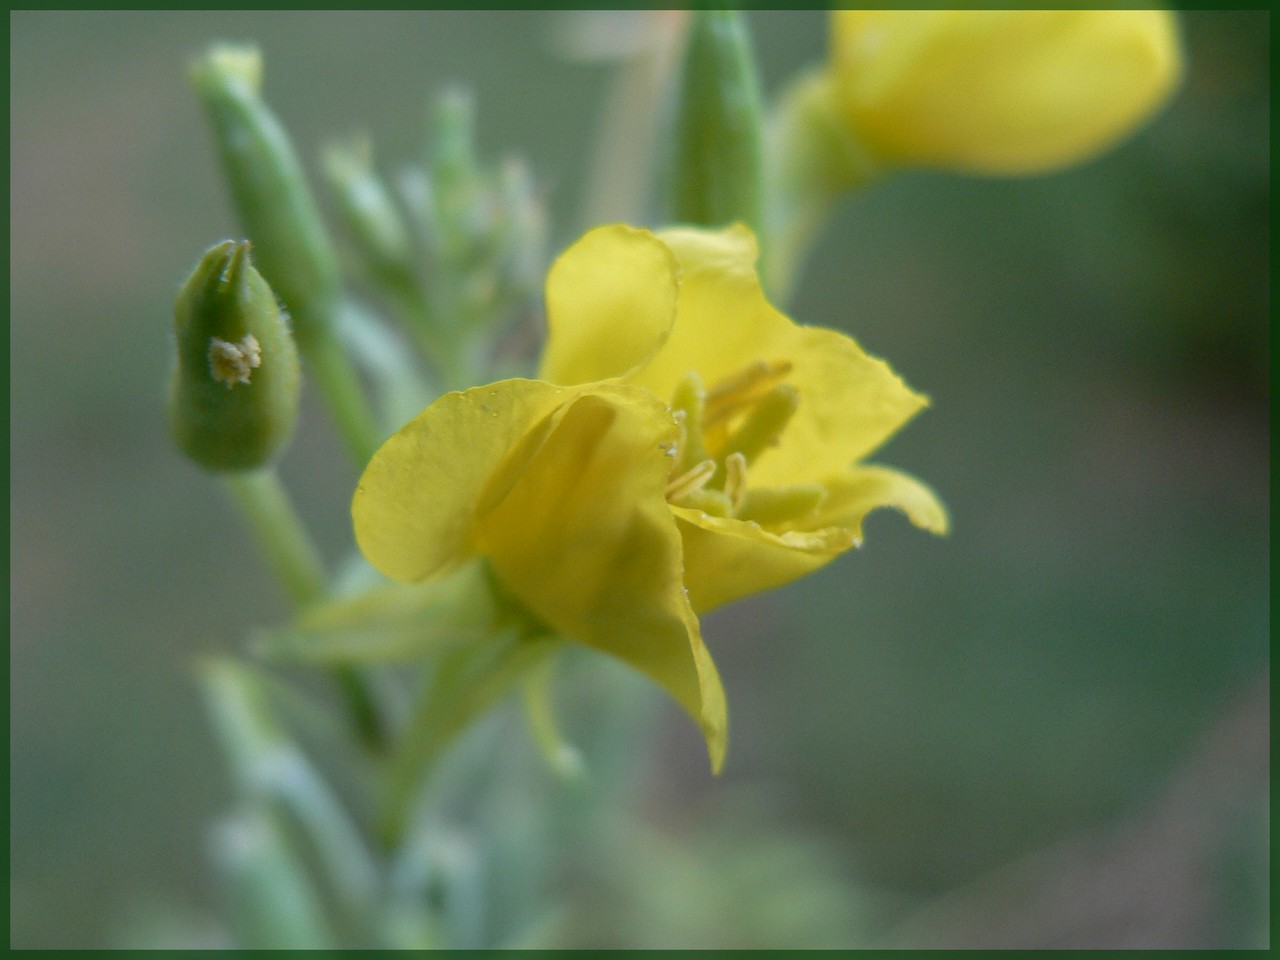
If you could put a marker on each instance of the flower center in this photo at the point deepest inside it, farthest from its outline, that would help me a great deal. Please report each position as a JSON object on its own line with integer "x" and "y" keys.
{"x": 723, "y": 430}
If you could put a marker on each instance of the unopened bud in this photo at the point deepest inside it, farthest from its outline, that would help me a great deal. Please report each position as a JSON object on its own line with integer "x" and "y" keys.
{"x": 234, "y": 397}
{"x": 718, "y": 161}
{"x": 1000, "y": 92}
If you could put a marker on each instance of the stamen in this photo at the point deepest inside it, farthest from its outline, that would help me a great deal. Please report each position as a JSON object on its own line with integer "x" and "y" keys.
{"x": 688, "y": 401}
{"x": 735, "y": 479}
{"x": 764, "y": 425}
{"x": 230, "y": 363}
{"x": 744, "y": 388}
{"x": 691, "y": 480}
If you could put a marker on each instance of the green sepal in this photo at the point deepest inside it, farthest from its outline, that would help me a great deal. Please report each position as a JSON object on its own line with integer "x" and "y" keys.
{"x": 391, "y": 623}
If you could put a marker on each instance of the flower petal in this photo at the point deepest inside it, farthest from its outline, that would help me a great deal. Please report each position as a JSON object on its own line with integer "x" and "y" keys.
{"x": 726, "y": 559}
{"x": 415, "y": 504}
{"x": 850, "y": 402}
{"x": 611, "y": 300}
{"x": 855, "y": 492}
{"x": 585, "y": 539}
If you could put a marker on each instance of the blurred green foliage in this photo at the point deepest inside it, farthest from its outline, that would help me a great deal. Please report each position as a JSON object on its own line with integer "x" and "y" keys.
{"x": 1096, "y": 345}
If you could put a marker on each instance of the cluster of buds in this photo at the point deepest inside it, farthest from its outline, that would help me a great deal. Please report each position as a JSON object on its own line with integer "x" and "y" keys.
{"x": 456, "y": 247}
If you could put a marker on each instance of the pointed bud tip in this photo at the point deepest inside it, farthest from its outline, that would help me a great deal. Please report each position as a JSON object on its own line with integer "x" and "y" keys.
{"x": 226, "y": 62}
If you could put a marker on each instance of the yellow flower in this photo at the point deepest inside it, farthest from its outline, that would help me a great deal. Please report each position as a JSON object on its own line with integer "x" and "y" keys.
{"x": 685, "y": 445}
{"x": 1000, "y": 91}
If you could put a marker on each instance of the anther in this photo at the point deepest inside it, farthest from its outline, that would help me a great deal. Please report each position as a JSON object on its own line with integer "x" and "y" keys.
{"x": 744, "y": 388}
{"x": 765, "y": 423}
{"x": 230, "y": 363}
{"x": 735, "y": 479}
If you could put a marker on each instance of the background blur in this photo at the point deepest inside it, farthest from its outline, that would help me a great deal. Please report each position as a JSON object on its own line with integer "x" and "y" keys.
{"x": 1049, "y": 729}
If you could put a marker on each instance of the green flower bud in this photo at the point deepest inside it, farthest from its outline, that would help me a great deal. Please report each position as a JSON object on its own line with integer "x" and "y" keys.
{"x": 234, "y": 396}
{"x": 274, "y": 202}
{"x": 717, "y": 167}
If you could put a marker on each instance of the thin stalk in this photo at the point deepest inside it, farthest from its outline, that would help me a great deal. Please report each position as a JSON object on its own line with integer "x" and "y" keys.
{"x": 264, "y": 502}
{"x": 280, "y": 533}
{"x": 340, "y": 386}
{"x": 464, "y": 685}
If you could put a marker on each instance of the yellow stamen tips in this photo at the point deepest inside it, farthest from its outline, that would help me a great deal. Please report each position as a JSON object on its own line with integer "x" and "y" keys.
{"x": 743, "y": 389}
{"x": 230, "y": 363}
{"x": 691, "y": 480}
{"x": 735, "y": 479}
{"x": 765, "y": 423}
{"x": 777, "y": 505}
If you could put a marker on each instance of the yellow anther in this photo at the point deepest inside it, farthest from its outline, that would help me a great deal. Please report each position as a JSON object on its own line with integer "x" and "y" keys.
{"x": 735, "y": 479}
{"x": 764, "y": 424}
{"x": 691, "y": 480}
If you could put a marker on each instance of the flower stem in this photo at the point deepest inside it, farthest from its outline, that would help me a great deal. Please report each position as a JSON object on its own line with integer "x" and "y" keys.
{"x": 464, "y": 684}
{"x": 339, "y": 384}
{"x": 292, "y": 555}
{"x": 266, "y": 506}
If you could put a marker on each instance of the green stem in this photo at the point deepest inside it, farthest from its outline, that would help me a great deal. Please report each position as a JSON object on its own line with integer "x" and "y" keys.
{"x": 269, "y": 512}
{"x": 464, "y": 684}
{"x": 340, "y": 386}
{"x": 293, "y": 557}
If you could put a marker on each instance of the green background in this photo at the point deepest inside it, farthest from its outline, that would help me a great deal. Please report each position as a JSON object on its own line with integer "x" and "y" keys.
{"x": 1047, "y": 687}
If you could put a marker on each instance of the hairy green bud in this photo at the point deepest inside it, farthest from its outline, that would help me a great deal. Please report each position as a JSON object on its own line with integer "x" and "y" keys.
{"x": 234, "y": 396}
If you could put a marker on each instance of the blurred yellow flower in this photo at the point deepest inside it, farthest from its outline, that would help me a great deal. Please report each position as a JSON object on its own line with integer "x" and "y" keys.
{"x": 1000, "y": 91}
{"x": 685, "y": 445}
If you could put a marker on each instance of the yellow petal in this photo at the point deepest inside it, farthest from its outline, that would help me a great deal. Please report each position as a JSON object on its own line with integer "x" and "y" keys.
{"x": 850, "y": 402}
{"x": 585, "y": 539}
{"x": 414, "y": 506}
{"x": 726, "y": 559}
{"x": 855, "y": 492}
{"x": 1000, "y": 91}
{"x": 610, "y": 303}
